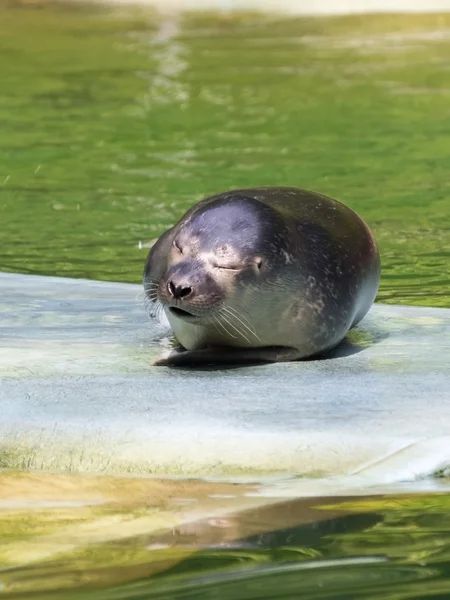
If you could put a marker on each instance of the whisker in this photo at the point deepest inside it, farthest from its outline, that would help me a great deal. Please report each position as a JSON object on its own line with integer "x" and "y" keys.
{"x": 152, "y": 305}
{"x": 219, "y": 322}
{"x": 156, "y": 312}
{"x": 246, "y": 318}
{"x": 232, "y": 312}
{"x": 243, "y": 320}
{"x": 150, "y": 288}
{"x": 150, "y": 282}
{"x": 216, "y": 325}
{"x": 234, "y": 327}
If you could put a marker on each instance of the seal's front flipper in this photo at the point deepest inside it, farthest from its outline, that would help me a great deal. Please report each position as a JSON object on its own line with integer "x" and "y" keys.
{"x": 227, "y": 356}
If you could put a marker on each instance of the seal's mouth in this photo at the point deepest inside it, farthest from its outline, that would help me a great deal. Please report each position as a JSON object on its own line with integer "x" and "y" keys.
{"x": 183, "y": 314}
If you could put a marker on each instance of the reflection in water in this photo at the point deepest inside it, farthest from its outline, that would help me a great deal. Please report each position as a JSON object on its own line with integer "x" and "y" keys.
{"x": 377, "y": 547}
{"x": 351, "y": 556}
{"x": 164, "y": 85}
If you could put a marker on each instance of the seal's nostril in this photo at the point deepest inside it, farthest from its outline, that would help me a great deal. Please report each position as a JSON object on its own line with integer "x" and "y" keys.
{"x": 178, "y": 291}
{"x": 184, "y": 291}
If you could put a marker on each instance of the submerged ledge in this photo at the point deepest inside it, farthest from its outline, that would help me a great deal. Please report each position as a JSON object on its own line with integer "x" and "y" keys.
{"x": 77, "y": 393}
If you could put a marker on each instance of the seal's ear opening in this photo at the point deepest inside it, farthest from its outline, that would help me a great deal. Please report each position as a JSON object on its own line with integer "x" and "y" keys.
{"x": 258, "y": 262}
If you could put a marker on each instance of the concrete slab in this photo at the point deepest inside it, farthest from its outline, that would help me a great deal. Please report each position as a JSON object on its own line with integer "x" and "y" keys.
{"x": 77, "y": 392}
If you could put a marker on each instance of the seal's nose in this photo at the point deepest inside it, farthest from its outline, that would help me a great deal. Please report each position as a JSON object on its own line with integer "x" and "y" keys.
{"x": 178, "y": 291}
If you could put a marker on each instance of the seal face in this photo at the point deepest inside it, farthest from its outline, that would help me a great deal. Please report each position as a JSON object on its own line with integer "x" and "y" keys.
{"x": 263, "y": 274}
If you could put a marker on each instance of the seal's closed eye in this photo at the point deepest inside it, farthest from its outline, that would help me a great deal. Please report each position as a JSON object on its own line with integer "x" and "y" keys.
{"x": 225, "y": 267}
{"x": 177, "y": 246}
{"x": 239, "y": 267}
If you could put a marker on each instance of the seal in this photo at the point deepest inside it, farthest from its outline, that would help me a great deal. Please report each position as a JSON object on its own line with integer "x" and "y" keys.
{"x": 262, "y": 275}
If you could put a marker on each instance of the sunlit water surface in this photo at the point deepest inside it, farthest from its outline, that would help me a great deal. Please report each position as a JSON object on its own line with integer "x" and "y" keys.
{"x": 114, "y": 122}
{"x": 341, "y": 548}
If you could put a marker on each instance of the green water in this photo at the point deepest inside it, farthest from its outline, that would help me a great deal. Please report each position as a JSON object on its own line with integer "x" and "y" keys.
{"x": 386, "y": 548}
{"x": 114, "y": 121}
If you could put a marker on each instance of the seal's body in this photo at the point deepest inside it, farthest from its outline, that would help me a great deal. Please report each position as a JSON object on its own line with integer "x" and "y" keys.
{"x": 265, "y": 274}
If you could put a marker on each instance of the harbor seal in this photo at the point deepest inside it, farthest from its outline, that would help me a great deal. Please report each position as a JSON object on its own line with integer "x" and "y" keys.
{"x": 262, "y": 275}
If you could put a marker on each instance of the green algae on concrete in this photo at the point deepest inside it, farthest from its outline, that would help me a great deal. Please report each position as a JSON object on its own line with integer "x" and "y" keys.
{"x": 81, "y": 395}
{"x": 46, "y": 516}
